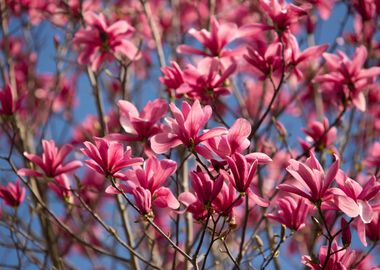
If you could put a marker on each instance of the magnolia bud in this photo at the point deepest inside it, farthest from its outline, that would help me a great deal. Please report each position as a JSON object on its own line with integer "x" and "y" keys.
{"x": 346, "y": 232}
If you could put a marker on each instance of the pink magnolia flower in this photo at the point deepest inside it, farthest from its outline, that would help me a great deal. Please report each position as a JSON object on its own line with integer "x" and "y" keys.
{"x": 235, "y": 141}
{"x": 193, "y": 205}
{"x": 292, "y": 212}
{"x": 265, "y": 59}
{"x": 348, "y": 76}
{"x": 101, "y": 41}
{"x": 282, "y": 15}
{"x": 150, "y": 177}
{"x": 51, "y": 162}
{"x": 205, "y": 188}
{"x": 311, "y": 182}
{"x": 172, "y": 76}
{"x": 315, "y": 130}
{"x": 242, "y": 175}
{"x": 12, "y": 194}
{"x": 143, "y": 200}
{"x": 109, "y": 158}
{"x": 340, "y": 259}
{"x": 296, "y": 58}
{"x": 324, "y": 6}
{"x": 353, "y": 199}
{"x": 140, "y": 126}
{"x": 206, "y": 81}
{"x": 184, "y": 129}
{"x": 215, "y": 40}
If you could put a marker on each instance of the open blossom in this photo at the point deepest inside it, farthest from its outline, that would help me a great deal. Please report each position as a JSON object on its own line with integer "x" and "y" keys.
{"x": 172, "y": 76}
{"x": 292, "y": 212}
{"x": 184, "y": 128}
{"x": 206, "y": 81}
{"x": 51, "y": 162}
{"x": 348, "y": 76}
{"x": 215, "y": 40}
{"x": 311, "y": 182}
{"x": 140, "y": 126}
{"x": 265, "y": 59}
{"x": 296, "y": 58}
{"x": 353, "y": 199}
{"x": 340, "y": 259}
{"x": 109, "y": 158}
{"x": 282, "y": 16}
{"x": 151, "y": 177}
{"x": 100, "y": 41}
{"x": 12, "y": 194}
{"x": 235, "y": 141}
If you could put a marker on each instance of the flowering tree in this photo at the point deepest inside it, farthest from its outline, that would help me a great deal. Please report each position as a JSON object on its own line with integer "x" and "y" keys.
{"x": 182, "y": 134}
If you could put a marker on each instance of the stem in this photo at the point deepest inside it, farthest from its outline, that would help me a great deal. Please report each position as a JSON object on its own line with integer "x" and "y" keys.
{"x": 127, "y": 229}
{"x": 98, "y": 100}
{"x": 155, "y": 32}
{"x": 245, "y": 222}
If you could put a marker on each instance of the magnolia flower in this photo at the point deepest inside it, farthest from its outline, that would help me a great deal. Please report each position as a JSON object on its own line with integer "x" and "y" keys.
{"x": 13, "y": 194}
{"x": 140, "y": 126}
{"x": 340, "y": 259}
{"x": 242, "y": 175}
{"x": 353, "y": 199}
{"x": 206, "y": 81}
{"x": 348, "y": 76}
{"x": 184, "y": 129}
{"x": 315, "y": 130}
{"x": 150, "y": 177}
{"x": 311, "y": 182}
{"x": 292, "y": 212}
{"x": 100, "y": 40}
{"x": 109, "y": 158}
{"x": 215, "y": 41}
{"x": 51, "y": 161}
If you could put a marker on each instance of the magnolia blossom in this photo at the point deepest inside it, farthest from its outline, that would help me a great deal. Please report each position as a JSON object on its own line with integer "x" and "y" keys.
{"x": 316, "y": 132}
{"x": 241, "y": 175}
{"x": 339, "y": 260}
{"x": 109, "y": 158}
{"x": 265, "y": 59}
{"x": 51, "y": 162}
{"x": 150, "y": 177}
{"x": 215, "y": 40}
{"x": 184, "y": 129}
{"x": 348, "y": 76}
{"x": 206, "y": 81}
{"x": 13, "y": 194}
{"x": 311, "y": 182}
{"x": 140, "y": 126}
{"x": 292, "y": 212}
{"x": 101, "y": 41}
